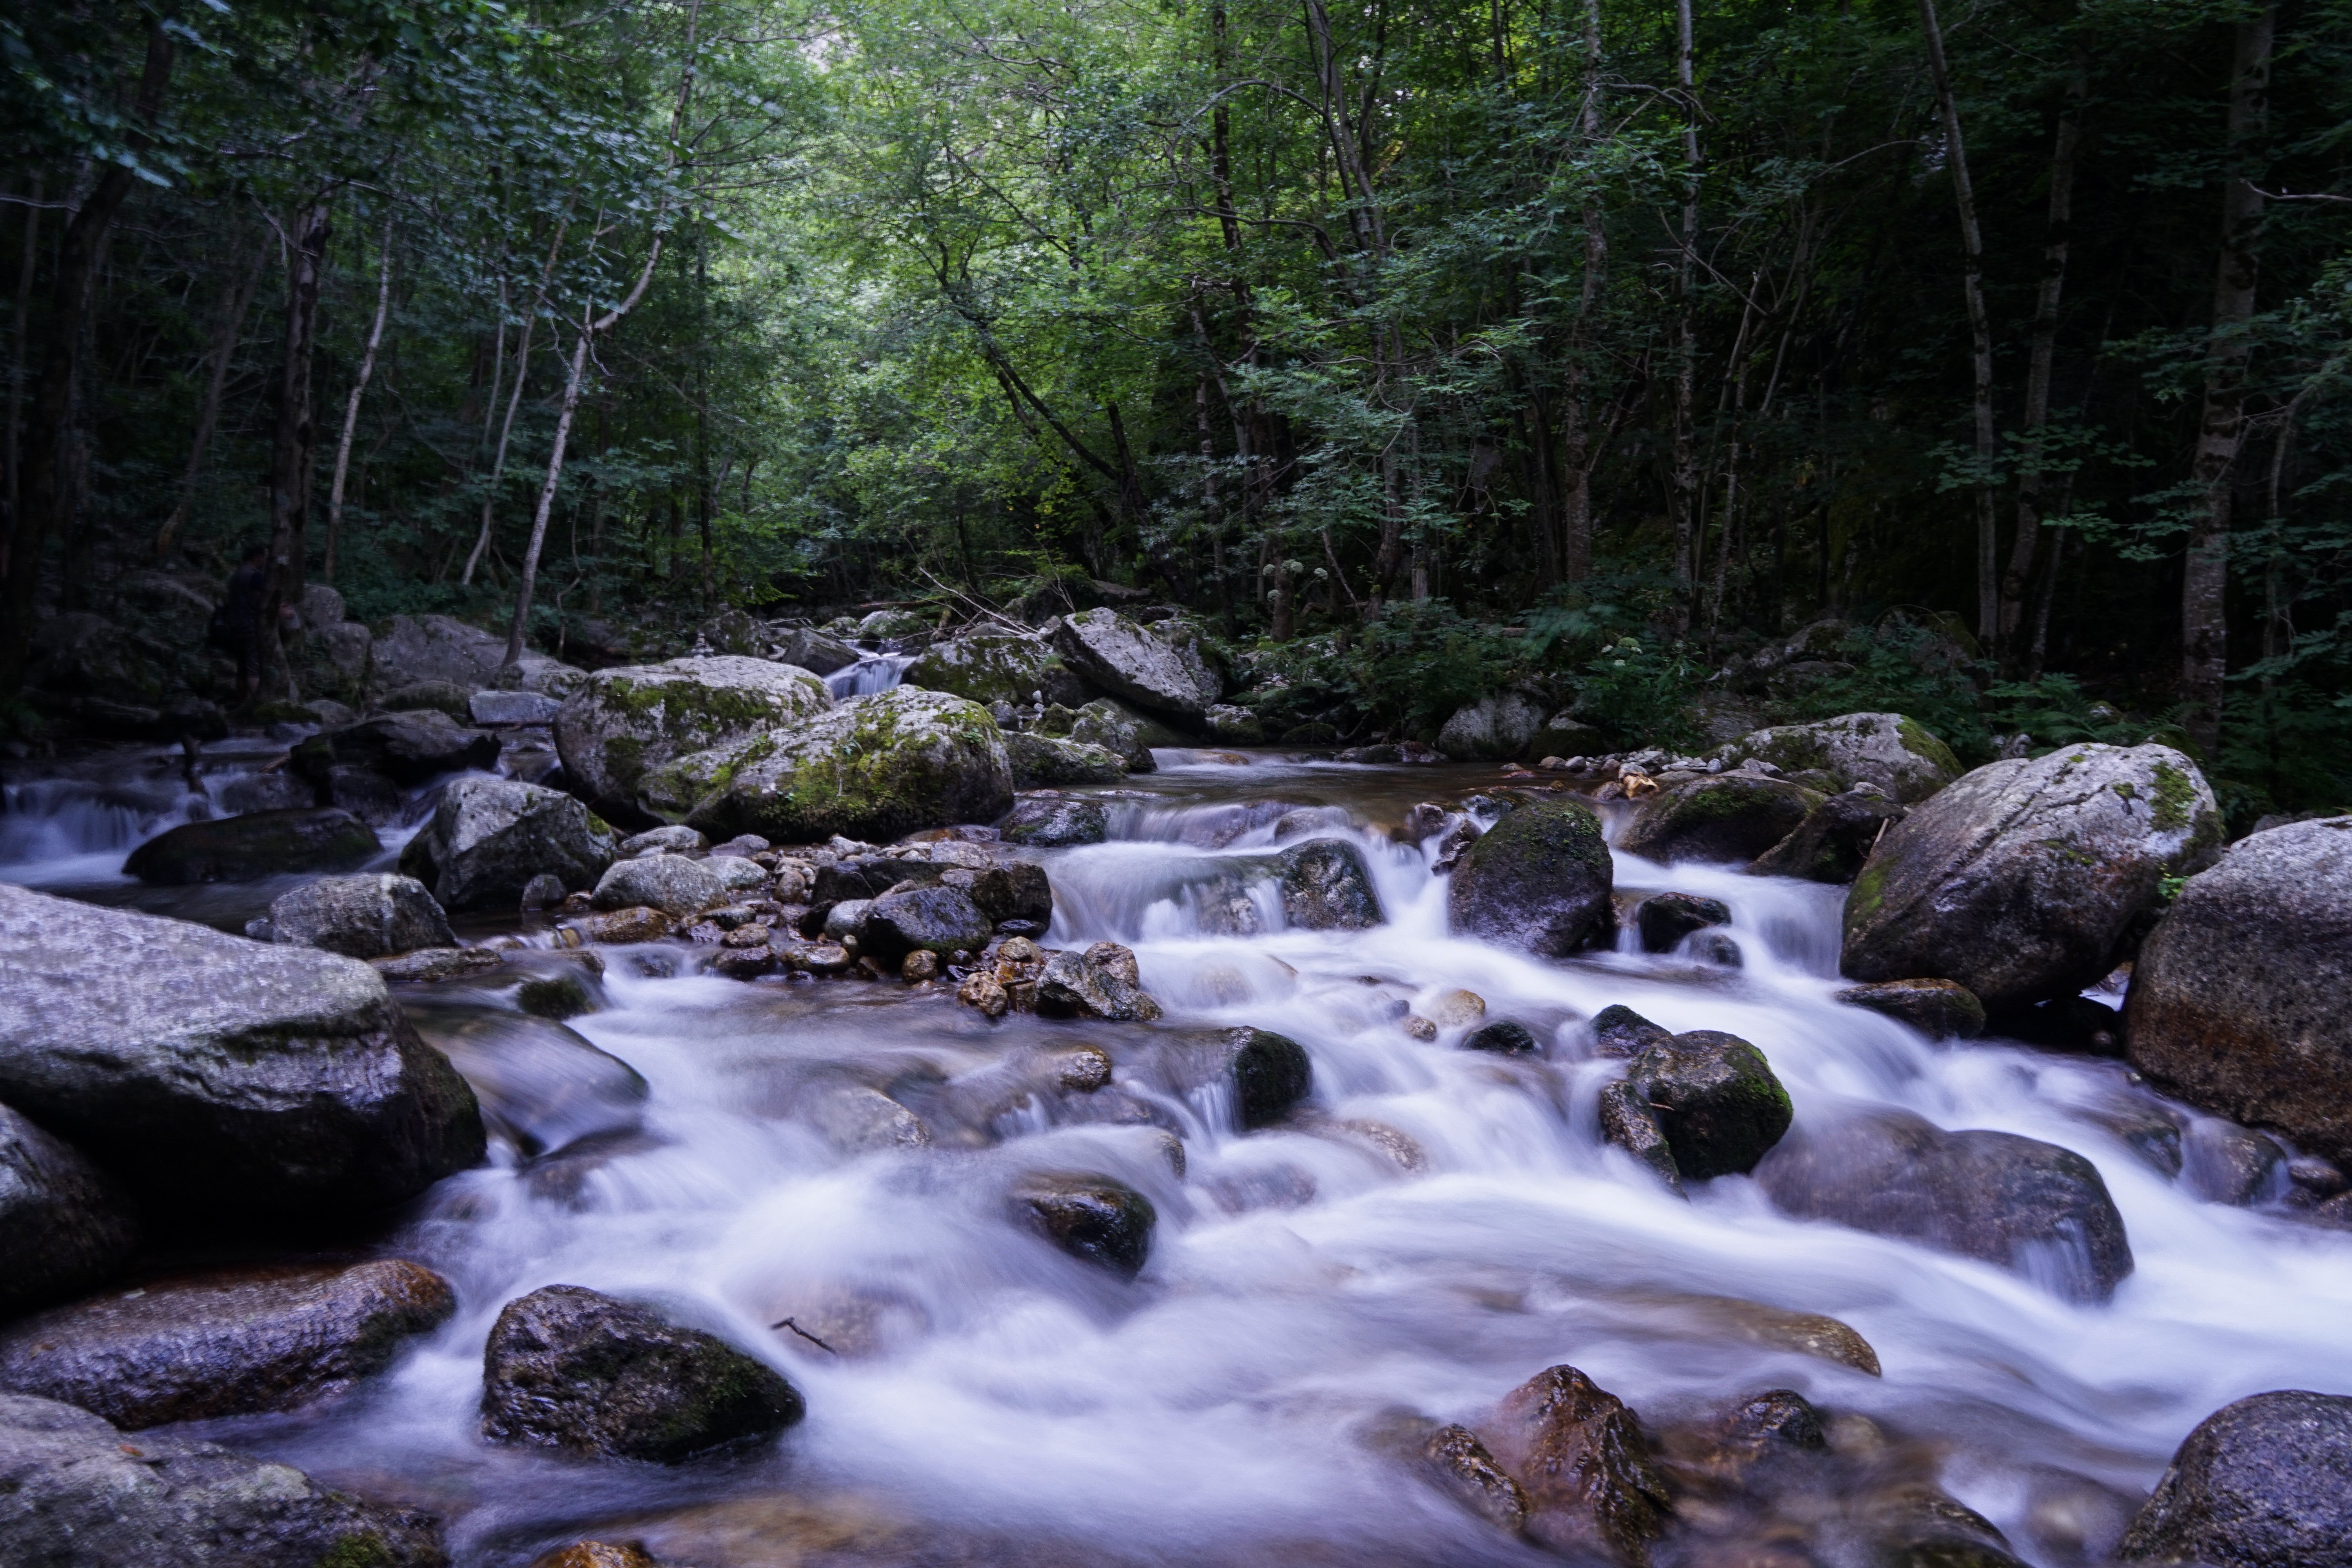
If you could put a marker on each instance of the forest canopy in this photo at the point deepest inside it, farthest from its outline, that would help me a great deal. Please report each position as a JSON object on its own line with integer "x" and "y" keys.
{"x": 1988, "y": 361}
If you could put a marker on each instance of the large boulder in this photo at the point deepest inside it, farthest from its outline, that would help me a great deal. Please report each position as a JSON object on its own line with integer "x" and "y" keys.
{"x": 408, "y": 747}
{"x": 938, "y": 918}
{"x": 1493, "y": 728}
{"x": 873, "y": 768}
{"x": 1326, "y": 887}
{"x": 2020, "y": 880}
{"x": 73, "y": 1494}
{"x": 1041, "y": 761}
{"x": 673, "y": 884}
{"x": 1722, "y": 817}
{"x": 217, "y": 1074}
{"x": 2024, "y": 1204}
{"x": 620, "y": 724}
{"x": 813, "y": 650}
{"x": 1897, "y": 754}
{"x": 569, "y": 1369}
{"x": 1166, "y": 675}
{"x": 257, "y": 845}
{"x": 1698, "y": 1106}
{"x": 992, "y": 663}
{"x": 63, "y": 1225}
{"x": 489, "y": 838}
{"x": 2238, "y": 1001}
{"x": 2264, "y": 1483}
{"x": 1539, "y": 880}
{"x": 224, "y": 1343}
{"x": 361, "y": 917}
{"x": 1592, "y": 1489}
{"x": 410, "y": 648}
{"x": 1833, "y": 841}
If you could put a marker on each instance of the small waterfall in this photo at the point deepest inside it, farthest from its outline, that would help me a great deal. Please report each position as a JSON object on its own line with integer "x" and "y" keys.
{"x": 872, "y": 672}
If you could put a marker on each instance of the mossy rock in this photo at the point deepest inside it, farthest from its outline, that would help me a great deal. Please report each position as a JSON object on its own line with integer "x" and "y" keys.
{"x": 996, "y": 664}
{"x": 1899, "y": 755}
{"x": 1040, "y": 762}
{"x": 1539, "y": 880}
{"x": 621, "y": 724}
{"x": 1723, "y": 817}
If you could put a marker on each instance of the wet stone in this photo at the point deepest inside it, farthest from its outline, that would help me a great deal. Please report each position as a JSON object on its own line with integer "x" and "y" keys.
{"x": 1666, "y": 917}
{"x": 1591, "y": 1485}
{"x": 1619, "y": 1031}
{"x": 1940, "y": 1009}
{"x": 1712, "y": 1098}
{"x": 1504, "y": 1036}
{"x": 1094, "y": 1219}
{"x": 64, "y": 1224}
{"x": 2264, "y": 1483}
{"x": 1463, "y": 1468}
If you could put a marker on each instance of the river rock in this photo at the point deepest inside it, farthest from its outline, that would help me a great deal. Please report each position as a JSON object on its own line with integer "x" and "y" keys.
{"x": 1164, "y": 675}
{"x": 1592, "y": 1489}
{"x": 571, "y": 1369}
{"x": 1712, "y": 1097}
{"x": 281, "y": 789}
{"x": 2016, "y": 1202}
{"x": 257, "y": 845}
{"x": 440, "y": 647}
{"x": 74, "y": 1494}
{"x": 1718, "y": 817}
{"x": 1269, "y": 1073}
{"x": 1492, "y": 728}
{"x": 1093, "y": 1218}
{"x": 215, "y": 1073}
{"x": 813, "y": 650}
{"x": 1324, "y": 887}
{"x": 361, "y": 917}
{"x": 1503, "y": 1038}
{"x": 1936, "y": 1008}
{"x": 511, "y": 709}
{"x": 1899, "y": 755}
{"x": 541, "y": 1083}
{"x": 1463, "y": 1468}
{"x": 619, "y": 725}
{"x": 1040, "y": 762}
{"x": 1054, "y": 822}
{"x": 1665, "y": 919}
{"x": 431, "y": 696}
{"x": 872, "y": 768}
{"x": 1619, "y": 1031}
{"x": 489, "y": 838}
{"x": 1833, "y": 841}
{"x": 225, "y": 1343}
{"x": 992, "y": 663}
{"x": 1101, "y": 983}
{"x": 407, "y": 748}
{"x": 671, "y": 883}
{"x": 2020, "y": 880}
{"x": 1539, "y": 880}
{"x": 2264, "y": 1483}
{"x": 1013, "y": 890}
{"x": 670, "y": 838}
{"x": 64, "y": 1225}
{"x": 938, "y": 920}
{"x": 2238, "y": 999}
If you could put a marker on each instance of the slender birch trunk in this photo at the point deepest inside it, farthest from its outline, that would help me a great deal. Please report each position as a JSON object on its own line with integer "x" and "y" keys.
{"x": 514, "y": 402}
{"x": 1682, "y": 497}
{"x": 351, "y": 404}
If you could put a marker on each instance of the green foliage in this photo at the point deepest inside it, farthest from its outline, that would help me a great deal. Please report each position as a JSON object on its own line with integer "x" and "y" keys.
{"x": 1906, "y": 667}
{"x": 1640, "y": 695}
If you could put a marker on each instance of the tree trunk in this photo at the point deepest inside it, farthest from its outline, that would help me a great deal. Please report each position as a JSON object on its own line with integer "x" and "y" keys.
{"x": 351, "y": 404}
{"x": 222, "y": 355}
{"x": 514, "y": 401}
{"x": 1576, "y": 501}
{"x": 50, "y": 497}
{"x": 10, "y": 447}
{"x": 1682, "y": 496}
{"x": 547, "y": 497}
{"x": 1964, "y": 196}
{"x": 2204, "y": 614}
{"x": 294, "y": 439}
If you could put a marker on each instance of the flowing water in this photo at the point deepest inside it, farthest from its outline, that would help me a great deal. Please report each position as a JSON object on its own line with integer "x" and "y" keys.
{"x": 1433, "y": 1228}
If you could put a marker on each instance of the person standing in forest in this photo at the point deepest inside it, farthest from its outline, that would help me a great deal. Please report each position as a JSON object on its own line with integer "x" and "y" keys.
{"x": 237, "y": 625}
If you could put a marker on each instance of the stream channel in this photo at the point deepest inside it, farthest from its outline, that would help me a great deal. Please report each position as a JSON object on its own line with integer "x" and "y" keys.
{"x": 1429, "y": 1230}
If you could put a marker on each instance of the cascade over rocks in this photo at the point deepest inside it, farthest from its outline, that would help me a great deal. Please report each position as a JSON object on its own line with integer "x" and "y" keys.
{"x": 361, "y": 917}
{"x": 64, "y": 1225}
{"x": 2264, "y": 1483}
{"x": 249, "y": 848}
{"x": 489, "y": 838}
{"x": 992, "y": 663}
{"x": 1493, "y": 729}
{"x": 1721, "y": 816}
{"x": 618, "y": 725}
{"x": 2239, "y": 999}
{"x": 874, "y": 767}
{"x": 74, "y": 1494}
{"x": 1138, "y": 663}
{"x": 217, "y": 1073}
{"x": 571, "y": 1369}
{"x": 225, "y": 1343}
{"x": 1591, "y": 1485}
{"x": 1093, "y": 1218}
{"x": 1833, "y": 841}
{"x": 1041, "y": 761}
{"x": 2020, "y": 880}
{"x": 440, "y": 647}
{"x": 1324, "y": 887}
{"x": 1899, "y": 755}
{"x": 1540, "y": 881}
{"x": 2024, "y": 1204}
{"x": 1698, "y": 1106}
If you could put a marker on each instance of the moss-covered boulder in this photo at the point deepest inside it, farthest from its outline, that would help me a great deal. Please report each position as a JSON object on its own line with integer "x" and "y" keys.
{"x": 1834, "y": 840}
{"x": 1899, "y": 755}
{"x": 621, "y": 724}
{"x": 1539, "y": 880}
{"x": 1041, "y": 761}
{"x": 1113, "y": 726}
{"x": 991, "y": 664}
{"x": 1712, "y": 1100}
{"x": 2020, "y": 881}
{"x": 1723, "y": 816}
{"x": 873, "y": 768}
{"x": 258, "y": 844}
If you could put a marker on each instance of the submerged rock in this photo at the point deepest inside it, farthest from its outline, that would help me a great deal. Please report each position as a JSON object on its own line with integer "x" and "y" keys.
{"x": 872, "y": 768}
{"x": 1326, "y": 887}
{"x": 1592, "y": 1487}
{"x": 2264, "y": 1483}
{"x": 489, "y": 838}
{"x": 1538, "y": 879}
{"x": 1504, "y": 1036}
{"x": 1721, "y": 817}
{"x": 2020, "y": 880}
{"x": 1936, "y": 1008}
{"x": 2238, "y": 1001}
{"x": 1269, "y": 1073}
{"x": 361, "y": 917}
{"x": 64, "y": 1226}
{"x": 225, "y": 1343}
{"x": 1899, "y": 755}
{"x": 1834, "y": 842}
{"x": 2024, "y": 1204}
{"x": 1711, "y": 1099}
{"x": 1165, "y": 675}
{"x": 571, "y": 1369}
{"x": 620, "y": 724}
{"x": 249, "y": 848}
{"x": 73, "y": 1494}
{"x": 217, "y": 1073}
{"x": 1093, "y": 1218}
